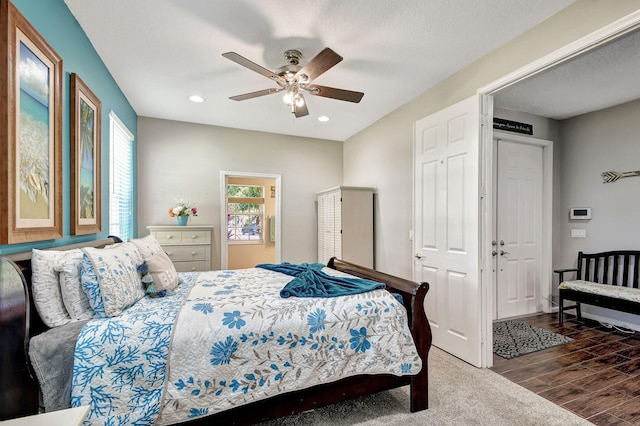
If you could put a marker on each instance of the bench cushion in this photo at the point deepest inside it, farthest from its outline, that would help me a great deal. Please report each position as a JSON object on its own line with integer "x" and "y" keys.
{"x": 618, "y": 292}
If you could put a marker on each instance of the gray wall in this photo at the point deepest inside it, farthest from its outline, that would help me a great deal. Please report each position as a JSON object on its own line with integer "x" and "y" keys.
{"x": 181, "y": 160}
{"x": 605, "y": 140}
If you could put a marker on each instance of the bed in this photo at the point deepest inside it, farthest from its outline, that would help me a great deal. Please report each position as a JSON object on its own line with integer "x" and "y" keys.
{"x": 282, "y": 400}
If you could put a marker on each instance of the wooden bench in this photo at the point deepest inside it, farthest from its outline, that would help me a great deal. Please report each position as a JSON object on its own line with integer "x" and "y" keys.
{"x": 616, "y": 268}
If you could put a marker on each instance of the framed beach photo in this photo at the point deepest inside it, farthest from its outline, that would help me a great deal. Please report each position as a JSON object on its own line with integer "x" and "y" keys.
{"x": 86, "y": 111}
{"x": 30, "y": 132}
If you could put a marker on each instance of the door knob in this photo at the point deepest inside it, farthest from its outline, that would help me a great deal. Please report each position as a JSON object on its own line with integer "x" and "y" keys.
{"x": 502, "y": 252}
{"x": 418, "y": 255}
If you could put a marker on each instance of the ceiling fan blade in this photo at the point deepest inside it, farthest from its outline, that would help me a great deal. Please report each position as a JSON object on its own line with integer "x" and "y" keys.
{"x": 254, "y": 94}
{"x": 241, "y": 60}
{"x": 319, "y": 64}
{"x": 301, "y": 110}
{"x": 332, "y": 92}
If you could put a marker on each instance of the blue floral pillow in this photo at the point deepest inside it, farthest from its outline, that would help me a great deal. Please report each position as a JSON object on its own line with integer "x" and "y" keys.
{"x": 110, "y": 278}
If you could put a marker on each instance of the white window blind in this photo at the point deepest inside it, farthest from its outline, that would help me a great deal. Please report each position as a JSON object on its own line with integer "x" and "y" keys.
{"x": 120, "y": 179}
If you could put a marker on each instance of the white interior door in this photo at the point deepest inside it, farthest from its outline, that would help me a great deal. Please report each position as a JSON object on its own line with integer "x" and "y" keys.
{"x": 519, "y": 229}
{"x": 446, "y": 226}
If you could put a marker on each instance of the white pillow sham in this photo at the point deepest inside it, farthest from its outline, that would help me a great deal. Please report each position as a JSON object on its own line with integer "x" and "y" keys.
{"x": 161, "y": 268}
{"x": 45, "y": 285}
{"x": 75, "y": 299}
{"x": 110, "y": 278}
{"x": 147, "y": 246}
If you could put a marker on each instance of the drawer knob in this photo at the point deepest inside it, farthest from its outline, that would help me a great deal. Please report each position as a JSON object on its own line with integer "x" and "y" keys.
{"x": 169, "y": 237}
{"x": 169, "y": 253}
{"x": 193, "y": 253}
{"x": 193, "y": 268}
{"x": 193, "y": 237}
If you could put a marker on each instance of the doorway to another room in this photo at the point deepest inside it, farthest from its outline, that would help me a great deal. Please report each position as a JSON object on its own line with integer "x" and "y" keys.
{"x": 250, "y": 219}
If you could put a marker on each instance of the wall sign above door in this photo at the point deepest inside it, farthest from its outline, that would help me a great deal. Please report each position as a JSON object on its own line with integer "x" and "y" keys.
{"x": 512, "y": 126}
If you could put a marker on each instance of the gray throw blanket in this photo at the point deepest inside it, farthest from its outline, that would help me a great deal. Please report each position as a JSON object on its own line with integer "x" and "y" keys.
{"x": 51, "y": 355}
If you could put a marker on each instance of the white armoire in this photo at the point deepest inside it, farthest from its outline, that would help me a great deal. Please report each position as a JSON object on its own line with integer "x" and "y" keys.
{"x": 345, "y": 225}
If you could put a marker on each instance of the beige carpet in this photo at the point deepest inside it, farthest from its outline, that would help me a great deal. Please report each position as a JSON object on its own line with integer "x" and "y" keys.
{"x": 459, "y": 394}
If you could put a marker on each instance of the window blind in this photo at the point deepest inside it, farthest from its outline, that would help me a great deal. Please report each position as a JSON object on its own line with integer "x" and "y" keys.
{"x": 120, "y": 179}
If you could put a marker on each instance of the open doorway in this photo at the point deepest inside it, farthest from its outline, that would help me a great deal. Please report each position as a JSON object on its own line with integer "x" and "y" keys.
{"x": 516, "y": 80}
{"x": 250, "y": 216}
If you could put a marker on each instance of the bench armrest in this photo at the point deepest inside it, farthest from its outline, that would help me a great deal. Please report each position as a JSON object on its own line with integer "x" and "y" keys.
{"x": 561, "y": 273}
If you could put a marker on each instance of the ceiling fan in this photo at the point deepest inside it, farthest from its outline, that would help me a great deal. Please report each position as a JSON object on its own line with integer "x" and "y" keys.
{"x": 294, "y": 79}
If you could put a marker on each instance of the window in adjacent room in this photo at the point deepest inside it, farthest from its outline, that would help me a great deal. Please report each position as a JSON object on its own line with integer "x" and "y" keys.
{"x": 120, "y": 179}
{"x": 245, "y": 212}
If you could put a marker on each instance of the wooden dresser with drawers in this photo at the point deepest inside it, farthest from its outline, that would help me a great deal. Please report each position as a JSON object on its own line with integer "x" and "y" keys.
{"x": 189, "y": 247}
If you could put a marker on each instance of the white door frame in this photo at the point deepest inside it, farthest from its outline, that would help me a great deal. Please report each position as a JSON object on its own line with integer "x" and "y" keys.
{"x": 224, "y": 174}
{"x": 603, "y": 35}
{"x": 546, "y": 274}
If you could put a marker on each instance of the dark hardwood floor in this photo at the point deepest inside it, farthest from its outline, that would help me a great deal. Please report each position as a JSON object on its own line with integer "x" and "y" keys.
{"x": 597, "y": 376}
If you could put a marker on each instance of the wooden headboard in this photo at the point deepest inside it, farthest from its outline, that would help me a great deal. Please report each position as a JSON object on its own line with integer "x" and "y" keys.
{"x": 19, "y": 321}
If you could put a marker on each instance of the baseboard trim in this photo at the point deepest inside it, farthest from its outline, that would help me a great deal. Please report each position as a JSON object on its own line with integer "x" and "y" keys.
{"x": 606, "y": 320}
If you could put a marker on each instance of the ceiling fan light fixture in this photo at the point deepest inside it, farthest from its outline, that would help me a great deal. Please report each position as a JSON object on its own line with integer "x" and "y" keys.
{"x": 292, "y": 97}
{"x": 294, "y": 79}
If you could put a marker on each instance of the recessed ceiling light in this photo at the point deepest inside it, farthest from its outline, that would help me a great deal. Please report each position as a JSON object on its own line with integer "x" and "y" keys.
{"x": 323, "y": 118}
{"x": 196, "y": 98}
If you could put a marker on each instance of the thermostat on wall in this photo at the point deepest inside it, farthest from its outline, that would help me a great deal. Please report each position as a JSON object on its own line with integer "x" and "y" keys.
{"x": 580, "y": 213}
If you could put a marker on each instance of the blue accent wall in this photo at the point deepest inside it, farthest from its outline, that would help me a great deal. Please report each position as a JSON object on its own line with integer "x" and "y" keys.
{"x": 53, "y": 20}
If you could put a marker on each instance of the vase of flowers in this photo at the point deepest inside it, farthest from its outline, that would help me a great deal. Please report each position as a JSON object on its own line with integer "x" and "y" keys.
{"x": 182, "y": 211}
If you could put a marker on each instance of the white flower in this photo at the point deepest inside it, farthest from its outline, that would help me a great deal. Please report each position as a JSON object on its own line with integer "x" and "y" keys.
{"x": 183, "y": 208}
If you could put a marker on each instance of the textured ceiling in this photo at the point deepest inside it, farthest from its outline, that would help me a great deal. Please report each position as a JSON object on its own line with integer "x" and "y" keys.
{"x": 161, "y": 51}
{"x": 606, "y": 76}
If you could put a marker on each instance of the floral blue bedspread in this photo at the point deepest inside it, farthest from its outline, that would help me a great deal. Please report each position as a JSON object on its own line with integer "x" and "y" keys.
{"x": 120, "y": 363}
{"x": 235, "y": 340}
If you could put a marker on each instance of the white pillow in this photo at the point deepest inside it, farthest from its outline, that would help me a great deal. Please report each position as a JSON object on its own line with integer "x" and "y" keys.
{"x": 148, "y": 246}
{"x": 110, "y": 278}
{"x": 74, "y": 298}
{"x": 46, "y": 286}
{"x": 160, "y": 265}
{"x": 162, "y": 271}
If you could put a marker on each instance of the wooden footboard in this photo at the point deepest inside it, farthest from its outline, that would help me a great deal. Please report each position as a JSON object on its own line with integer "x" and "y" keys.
{"x": 413, "y": 296}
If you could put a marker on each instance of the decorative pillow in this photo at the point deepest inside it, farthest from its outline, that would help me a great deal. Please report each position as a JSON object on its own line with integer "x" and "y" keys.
{"x": 110, "y": 278}
{"x": 148, "y": 246}
{"x": 47, "y": 295}
{"x": 74, "y": 298}
{"x": 163, "y": 272}
{"x": 160, "y": 265}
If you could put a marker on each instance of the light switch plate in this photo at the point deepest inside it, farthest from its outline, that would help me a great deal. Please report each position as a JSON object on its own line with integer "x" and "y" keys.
{"x": 578, "y": 233}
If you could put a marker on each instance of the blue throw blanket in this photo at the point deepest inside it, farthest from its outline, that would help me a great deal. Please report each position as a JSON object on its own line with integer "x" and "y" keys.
{"x": 310, "y": 281}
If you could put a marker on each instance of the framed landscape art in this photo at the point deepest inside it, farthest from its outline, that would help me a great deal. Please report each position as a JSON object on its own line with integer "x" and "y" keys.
{"x": 86, "y": 111}
{"x": 30, "y": 132}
